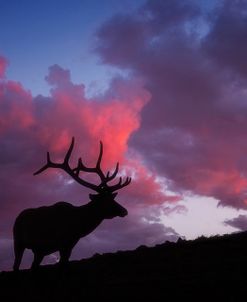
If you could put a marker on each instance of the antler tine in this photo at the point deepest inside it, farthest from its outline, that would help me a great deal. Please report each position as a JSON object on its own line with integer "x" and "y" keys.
{"x": 68, "y": 154}
{"x": 100, "y": 156}
{"x": 77, "y": 169}
{"x": 47, "y": 165}
{"x": 114, "y": 174}
{"x": 64, "y": 165}
{"x": 120, "y": 185}
{"x": 81, "y": 167}
{"x": 74, "y": 173}
{"x": 96, "y": 169}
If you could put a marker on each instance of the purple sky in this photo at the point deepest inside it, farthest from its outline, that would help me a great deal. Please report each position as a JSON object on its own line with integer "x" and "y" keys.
{"x": 161, "y": 83}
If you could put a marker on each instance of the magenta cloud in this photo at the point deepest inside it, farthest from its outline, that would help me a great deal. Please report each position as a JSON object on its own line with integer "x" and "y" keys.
{"x": 30, "y": 126}
{"x": 192, "y": 61}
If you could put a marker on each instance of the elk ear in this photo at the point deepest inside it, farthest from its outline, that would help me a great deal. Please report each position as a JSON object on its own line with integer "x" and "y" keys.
{"x": 114, "y": 195}
{"x": 93, "y": 197}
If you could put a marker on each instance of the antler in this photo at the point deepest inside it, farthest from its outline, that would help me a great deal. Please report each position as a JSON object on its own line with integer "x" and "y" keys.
{"x": 120, "y": 185}
{"x": 74, "y": 173}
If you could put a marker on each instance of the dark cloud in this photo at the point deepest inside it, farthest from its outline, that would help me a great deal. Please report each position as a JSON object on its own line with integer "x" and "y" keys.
{"x": 226, "y": 43}
{"x": 6, "y": 255}
{"x": 58, "y": 76}
{"x": 239, "y": 222}
{"x": 191, "y": 59}
{"x": 117, "y": 235}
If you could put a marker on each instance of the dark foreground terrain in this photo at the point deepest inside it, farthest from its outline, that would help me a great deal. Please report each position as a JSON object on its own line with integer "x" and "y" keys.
{"x": 206, "y": 269}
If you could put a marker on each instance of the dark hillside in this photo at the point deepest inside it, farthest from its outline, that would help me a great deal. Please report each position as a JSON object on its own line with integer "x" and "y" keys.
{"x": 206, "y": 269}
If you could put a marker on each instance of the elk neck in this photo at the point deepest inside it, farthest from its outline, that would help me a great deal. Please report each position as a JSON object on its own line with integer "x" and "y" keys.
{"x": 90, "y": 217}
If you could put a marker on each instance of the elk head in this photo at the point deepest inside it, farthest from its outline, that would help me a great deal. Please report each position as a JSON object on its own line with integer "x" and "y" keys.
{"x": 105, "y": 197}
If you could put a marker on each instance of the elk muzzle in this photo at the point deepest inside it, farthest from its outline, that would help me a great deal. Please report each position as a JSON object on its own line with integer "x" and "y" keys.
{"x": 123, "y": 212}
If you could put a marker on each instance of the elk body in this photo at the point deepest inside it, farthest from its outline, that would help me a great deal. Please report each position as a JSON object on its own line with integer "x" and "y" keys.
{"x": 59, "y": 227}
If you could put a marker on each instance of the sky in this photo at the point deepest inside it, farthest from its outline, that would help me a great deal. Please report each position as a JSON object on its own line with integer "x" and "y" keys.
{"x": 161, "y": 83}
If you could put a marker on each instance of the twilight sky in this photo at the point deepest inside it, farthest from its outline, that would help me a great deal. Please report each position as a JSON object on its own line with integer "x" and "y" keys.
{"x": 162, "y": 83}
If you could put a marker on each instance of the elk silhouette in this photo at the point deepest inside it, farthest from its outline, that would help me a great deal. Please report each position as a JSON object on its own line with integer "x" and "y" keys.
{"x": 59, "y": 227}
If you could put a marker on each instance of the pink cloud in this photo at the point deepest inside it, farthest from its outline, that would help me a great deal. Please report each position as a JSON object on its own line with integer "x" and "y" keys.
{"x": 3, "y": 66}
{"x": 193, "y": 130}
{"x": 31, "y": 126}
{"x": 69, "y": 111}
{"x": 15, "y": 106}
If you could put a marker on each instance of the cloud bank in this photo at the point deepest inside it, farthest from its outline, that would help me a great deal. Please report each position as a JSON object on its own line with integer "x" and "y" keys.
{"x": 239, "y": 222}
{"x": 29, "y": 126}
{"x": 192, "y": 60}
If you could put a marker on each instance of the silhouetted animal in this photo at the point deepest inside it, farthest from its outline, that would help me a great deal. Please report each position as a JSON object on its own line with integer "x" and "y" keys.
{"x": 59, "y": 227}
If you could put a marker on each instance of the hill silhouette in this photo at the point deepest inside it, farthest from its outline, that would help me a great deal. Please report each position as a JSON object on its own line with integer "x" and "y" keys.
{"x": 204, "y": 269}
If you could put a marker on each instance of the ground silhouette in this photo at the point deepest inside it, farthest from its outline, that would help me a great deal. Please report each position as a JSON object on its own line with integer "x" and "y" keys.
{"x": 205, "y": 269}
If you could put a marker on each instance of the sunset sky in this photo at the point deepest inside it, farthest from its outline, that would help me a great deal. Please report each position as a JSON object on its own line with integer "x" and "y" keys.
{"x": 163, "y": 83}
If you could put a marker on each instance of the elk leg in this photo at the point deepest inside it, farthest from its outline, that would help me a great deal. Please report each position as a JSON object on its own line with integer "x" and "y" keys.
{"x": 18, "y": 249}
{"x": 37, "y": 260}
{"x": 64, "y": 255}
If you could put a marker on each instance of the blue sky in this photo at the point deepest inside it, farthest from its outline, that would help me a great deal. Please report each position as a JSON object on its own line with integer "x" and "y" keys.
{"x": 37, "y": 34}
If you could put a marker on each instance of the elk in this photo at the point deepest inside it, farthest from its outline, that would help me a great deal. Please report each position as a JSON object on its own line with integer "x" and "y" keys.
{"x": 59, "y": 227}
